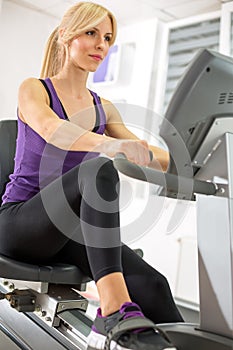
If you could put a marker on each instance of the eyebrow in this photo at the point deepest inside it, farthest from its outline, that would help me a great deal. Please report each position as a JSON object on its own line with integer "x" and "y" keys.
{"x": 105, "y": 33}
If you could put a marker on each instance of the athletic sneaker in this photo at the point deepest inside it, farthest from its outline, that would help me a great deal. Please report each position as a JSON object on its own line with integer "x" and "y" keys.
{"x": 126, "y": 329}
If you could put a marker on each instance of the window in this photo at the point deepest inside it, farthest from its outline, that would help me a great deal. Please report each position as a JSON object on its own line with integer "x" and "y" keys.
{"x": 231, "y": 45}
{"x": 184, "y": 42}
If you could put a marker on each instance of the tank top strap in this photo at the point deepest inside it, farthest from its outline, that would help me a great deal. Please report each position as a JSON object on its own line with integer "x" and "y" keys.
{"x": 58, "y": 108}
{"x": 55, "y": 103}
{"x": 101, "y": 123}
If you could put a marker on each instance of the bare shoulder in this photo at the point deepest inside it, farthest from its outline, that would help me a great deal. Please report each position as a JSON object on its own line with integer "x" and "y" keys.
{"x": 110, "y": 109}
{"x": 30, "y": 83}
{"x": 31, "y": 95}
{"x": 106, "y": 103}
{"x": 32, "y": 88}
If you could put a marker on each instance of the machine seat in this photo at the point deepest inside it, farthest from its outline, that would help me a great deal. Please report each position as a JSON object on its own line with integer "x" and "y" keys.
{"x": 55, "y": 273}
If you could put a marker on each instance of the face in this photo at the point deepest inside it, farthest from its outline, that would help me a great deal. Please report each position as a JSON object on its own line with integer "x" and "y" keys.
{"x": 88, "y": 50}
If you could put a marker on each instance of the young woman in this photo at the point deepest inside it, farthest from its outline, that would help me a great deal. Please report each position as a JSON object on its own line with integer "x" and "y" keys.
{"x": 61, "y": 203}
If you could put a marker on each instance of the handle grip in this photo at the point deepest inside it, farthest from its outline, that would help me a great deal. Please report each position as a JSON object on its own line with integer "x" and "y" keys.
{"x": 172, "y": 182}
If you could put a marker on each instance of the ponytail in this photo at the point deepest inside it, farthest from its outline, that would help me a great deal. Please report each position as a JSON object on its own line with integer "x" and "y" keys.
{"x": 53, "y": 57}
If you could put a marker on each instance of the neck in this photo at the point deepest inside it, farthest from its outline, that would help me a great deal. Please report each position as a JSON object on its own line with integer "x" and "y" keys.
{"x": 73, "y": 82}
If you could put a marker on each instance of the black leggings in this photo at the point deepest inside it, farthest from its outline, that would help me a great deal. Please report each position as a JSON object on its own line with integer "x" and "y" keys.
{"x": 75, "y": 219}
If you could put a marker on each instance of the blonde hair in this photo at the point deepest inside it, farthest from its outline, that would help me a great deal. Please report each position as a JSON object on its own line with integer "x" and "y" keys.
{"x": 76, "y": 20}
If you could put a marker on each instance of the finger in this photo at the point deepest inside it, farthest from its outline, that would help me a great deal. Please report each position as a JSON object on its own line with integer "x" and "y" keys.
{"x": 142, "y": 153}
{"x": 144, "y": 143}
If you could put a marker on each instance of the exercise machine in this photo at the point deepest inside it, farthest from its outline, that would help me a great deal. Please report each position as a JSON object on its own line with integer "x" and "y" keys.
{"x": 197, "y": 128}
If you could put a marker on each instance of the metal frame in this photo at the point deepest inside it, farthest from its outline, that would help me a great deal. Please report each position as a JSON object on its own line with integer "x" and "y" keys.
{"x": 60, "y": 319}
{"x": 215, "y": 229}
{"x": 215, "y": 237}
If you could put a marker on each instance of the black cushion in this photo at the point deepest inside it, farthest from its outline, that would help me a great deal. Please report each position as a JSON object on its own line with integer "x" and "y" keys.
{"x": 8, "y": 133}
{"x": 55, "y": 273}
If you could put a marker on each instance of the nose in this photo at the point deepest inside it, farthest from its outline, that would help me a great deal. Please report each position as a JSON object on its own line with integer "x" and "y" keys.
{"x": 101, "y": 43}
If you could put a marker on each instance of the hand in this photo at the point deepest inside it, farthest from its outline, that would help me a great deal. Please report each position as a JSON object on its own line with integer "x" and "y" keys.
{"x": 136, "y": 151}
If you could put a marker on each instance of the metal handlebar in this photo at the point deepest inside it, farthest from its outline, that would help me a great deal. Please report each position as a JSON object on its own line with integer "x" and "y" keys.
{"x": 170, "y": 181}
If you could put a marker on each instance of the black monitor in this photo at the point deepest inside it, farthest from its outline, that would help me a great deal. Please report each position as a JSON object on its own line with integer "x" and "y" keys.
{"x": 204, "y": 93}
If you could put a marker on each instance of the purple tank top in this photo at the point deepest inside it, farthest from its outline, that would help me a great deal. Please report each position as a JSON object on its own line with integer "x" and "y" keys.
{"x": 38, "y": 163}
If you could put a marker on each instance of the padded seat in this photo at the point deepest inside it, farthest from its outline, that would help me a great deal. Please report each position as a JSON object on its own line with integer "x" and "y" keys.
{"x": 54, "y": 273}
{"x": 13, "y": 269}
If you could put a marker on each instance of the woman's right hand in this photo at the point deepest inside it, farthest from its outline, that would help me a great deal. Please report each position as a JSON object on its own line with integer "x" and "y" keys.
{"x": 136, "y": 151}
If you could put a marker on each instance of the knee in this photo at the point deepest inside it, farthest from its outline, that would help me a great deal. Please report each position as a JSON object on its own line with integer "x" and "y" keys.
{"x": 107, "y": 180}
{"x": 101, "y": 173}
{"x": 101, "y": 168}
{"x": 106, "y": 170}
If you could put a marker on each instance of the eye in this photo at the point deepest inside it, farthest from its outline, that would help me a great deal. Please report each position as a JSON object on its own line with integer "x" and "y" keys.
{"x": 90, "y": 32}
{"x": 108, "y": 38}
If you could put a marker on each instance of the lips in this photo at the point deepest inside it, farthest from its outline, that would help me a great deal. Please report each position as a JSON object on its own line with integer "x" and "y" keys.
{"x": 96, "y": 57}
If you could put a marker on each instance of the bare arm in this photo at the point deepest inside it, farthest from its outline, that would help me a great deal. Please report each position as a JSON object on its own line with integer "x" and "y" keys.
{"x": 116, "y": 128}
{"x": 35, "y": 111}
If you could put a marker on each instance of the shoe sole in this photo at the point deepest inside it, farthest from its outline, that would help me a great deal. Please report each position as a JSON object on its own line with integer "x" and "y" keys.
{"x": 96, "y": 341}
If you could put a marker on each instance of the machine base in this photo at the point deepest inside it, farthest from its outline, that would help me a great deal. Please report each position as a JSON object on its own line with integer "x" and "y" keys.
{"x": 189, "y": 337}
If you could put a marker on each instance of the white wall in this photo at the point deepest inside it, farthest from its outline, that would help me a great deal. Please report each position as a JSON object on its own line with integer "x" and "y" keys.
{"x": 137, "y": 90}
{"x": 23, "y": 34}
